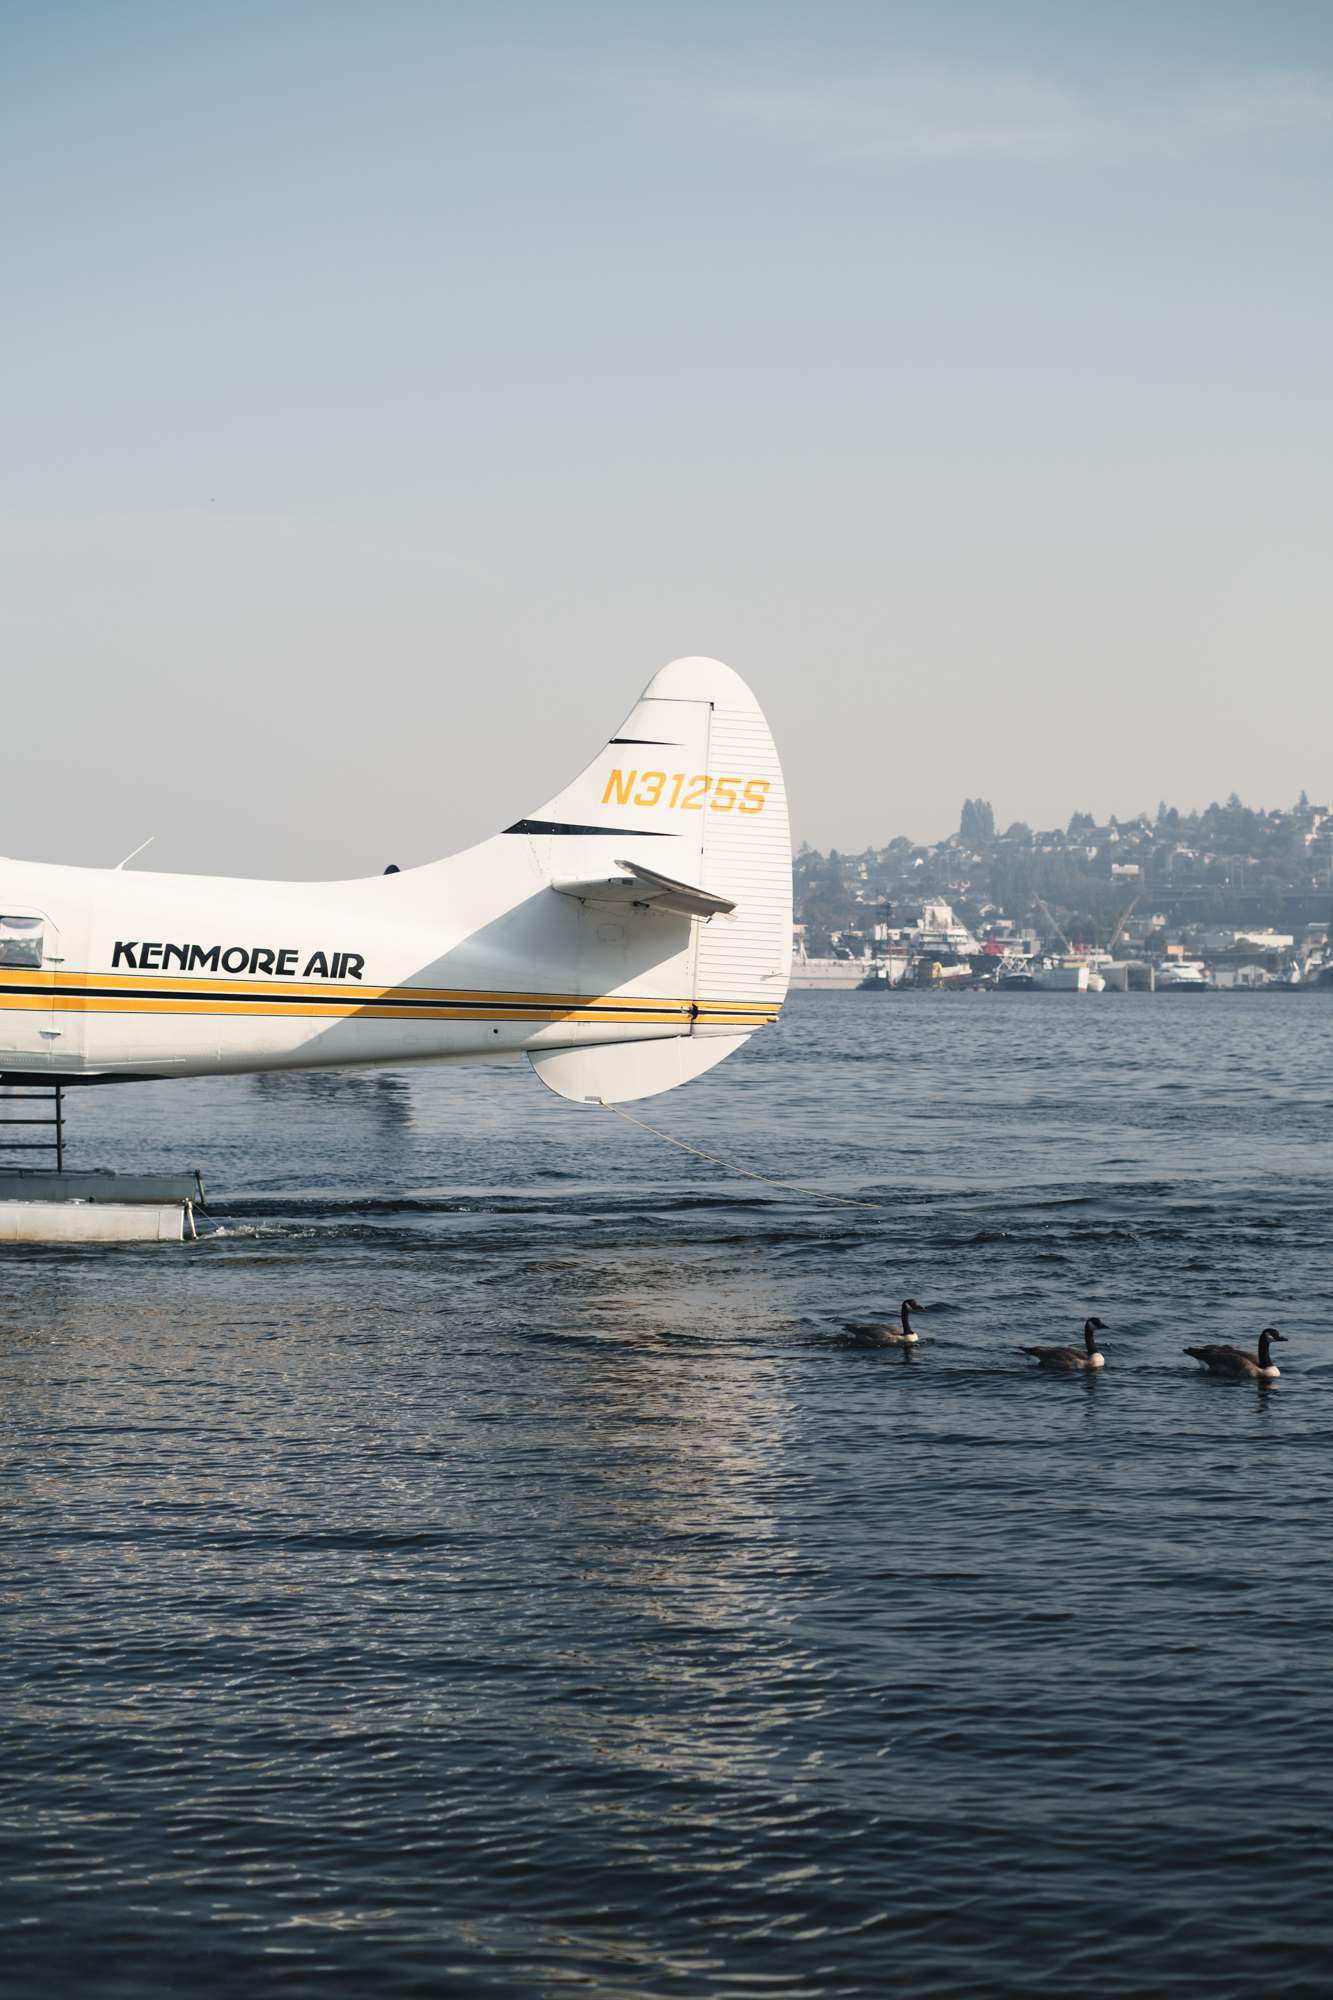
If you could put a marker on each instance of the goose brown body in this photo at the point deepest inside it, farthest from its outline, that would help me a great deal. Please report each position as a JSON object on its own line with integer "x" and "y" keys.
{"x": 1235, "y": 1364}
{"x": 1072, "y": 1359}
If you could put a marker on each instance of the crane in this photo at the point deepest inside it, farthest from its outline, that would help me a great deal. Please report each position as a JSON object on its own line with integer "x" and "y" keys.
{"x": 1044, "y": 908}
{"x": 1125, "y": 916}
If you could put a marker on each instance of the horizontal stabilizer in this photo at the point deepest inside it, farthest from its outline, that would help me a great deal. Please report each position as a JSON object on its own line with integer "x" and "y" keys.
{"x": 644, "y": 885}
{"x": 618, "y": 1072}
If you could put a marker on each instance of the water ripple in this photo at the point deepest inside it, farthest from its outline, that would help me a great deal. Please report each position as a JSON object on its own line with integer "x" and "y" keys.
{"x": 481, "y": 1565}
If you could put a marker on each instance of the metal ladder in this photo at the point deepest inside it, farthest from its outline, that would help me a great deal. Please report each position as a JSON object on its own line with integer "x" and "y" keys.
{"x": 52, "y": 1095}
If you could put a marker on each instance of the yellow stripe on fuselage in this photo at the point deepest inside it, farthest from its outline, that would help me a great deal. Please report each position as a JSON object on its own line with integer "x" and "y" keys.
{"x": 149, "y": 993}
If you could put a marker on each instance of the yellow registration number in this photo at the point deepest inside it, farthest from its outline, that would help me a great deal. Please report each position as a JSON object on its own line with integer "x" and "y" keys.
{"x": 697, "y": 793}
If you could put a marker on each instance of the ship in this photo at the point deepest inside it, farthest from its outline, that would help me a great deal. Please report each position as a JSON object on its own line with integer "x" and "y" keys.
{"x": 1185, "y": 975}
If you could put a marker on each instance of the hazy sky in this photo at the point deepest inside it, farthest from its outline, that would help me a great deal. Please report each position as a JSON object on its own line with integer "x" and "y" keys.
{"x": 391, "y": 390}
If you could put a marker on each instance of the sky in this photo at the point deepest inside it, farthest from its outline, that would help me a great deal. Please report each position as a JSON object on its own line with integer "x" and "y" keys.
{"x": 389, "y": 392}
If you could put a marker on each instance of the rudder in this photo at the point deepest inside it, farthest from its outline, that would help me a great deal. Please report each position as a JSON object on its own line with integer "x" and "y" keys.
{"x": 691, "y": 786}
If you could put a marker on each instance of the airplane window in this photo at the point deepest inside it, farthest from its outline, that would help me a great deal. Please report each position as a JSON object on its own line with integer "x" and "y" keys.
{"x": 20, "y": 941}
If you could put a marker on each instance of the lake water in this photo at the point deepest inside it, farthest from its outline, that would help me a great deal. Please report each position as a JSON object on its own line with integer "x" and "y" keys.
{"x": 479, "y": 1566}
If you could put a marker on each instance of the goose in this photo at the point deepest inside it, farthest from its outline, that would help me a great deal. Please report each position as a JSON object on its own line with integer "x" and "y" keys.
{"x": 887, "y": 1332}
{"x": 1235, "y": 1363}
{"x": 1069, "y": 1357}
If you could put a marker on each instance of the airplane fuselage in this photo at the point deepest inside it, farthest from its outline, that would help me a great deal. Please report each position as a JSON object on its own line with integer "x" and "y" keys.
{"x": 166, "y": 975}
{"x": 589, "y": 926}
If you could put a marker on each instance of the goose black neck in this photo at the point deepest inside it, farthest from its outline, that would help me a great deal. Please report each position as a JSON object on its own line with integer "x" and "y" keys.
{"x": 907, "y": 1324}
{"x": 1265, "y": 1349}
{"x": 1089, "y": 1337}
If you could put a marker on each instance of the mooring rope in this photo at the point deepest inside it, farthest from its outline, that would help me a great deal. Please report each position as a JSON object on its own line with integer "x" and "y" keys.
{"x": 731, "y": 1166}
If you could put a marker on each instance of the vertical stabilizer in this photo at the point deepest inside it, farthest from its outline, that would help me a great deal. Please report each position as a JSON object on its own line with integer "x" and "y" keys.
{"x": 689, "y": 787}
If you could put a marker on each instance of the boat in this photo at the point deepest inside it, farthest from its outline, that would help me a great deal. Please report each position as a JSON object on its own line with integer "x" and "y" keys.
{"x": 1073, "y": 974}
{"x": 1062, "y": 977}
{"x": 1185, "y": 975}
{"x": 883, "y": 975}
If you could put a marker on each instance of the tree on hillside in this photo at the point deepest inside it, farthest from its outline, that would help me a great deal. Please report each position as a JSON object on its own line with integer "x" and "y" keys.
{"x": 976, "y": 828}
{"x": 1234, "y": 827}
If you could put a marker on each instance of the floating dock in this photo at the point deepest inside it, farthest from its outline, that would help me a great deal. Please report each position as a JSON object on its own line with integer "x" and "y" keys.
{"x": 40, "y": 1205}
{"x": 51, "y": 1205}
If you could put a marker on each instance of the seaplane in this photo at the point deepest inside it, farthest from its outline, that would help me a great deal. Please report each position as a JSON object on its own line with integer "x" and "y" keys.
{"x": 624, "y": 937}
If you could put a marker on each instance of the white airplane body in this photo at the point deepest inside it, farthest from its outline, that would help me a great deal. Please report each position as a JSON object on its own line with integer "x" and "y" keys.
{"x": 625, "y": 938}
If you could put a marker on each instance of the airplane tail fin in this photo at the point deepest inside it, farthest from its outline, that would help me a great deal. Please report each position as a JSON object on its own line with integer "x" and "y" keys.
{"x": 675, "y": 844}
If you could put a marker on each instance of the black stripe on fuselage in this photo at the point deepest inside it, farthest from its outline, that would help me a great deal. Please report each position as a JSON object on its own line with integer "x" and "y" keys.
{"x": 407, "y": 1002}
{"x": 560, "y": 826}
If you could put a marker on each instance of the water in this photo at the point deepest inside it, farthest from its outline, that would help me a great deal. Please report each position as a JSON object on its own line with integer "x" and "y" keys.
{"x": 478, "y": 1567}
